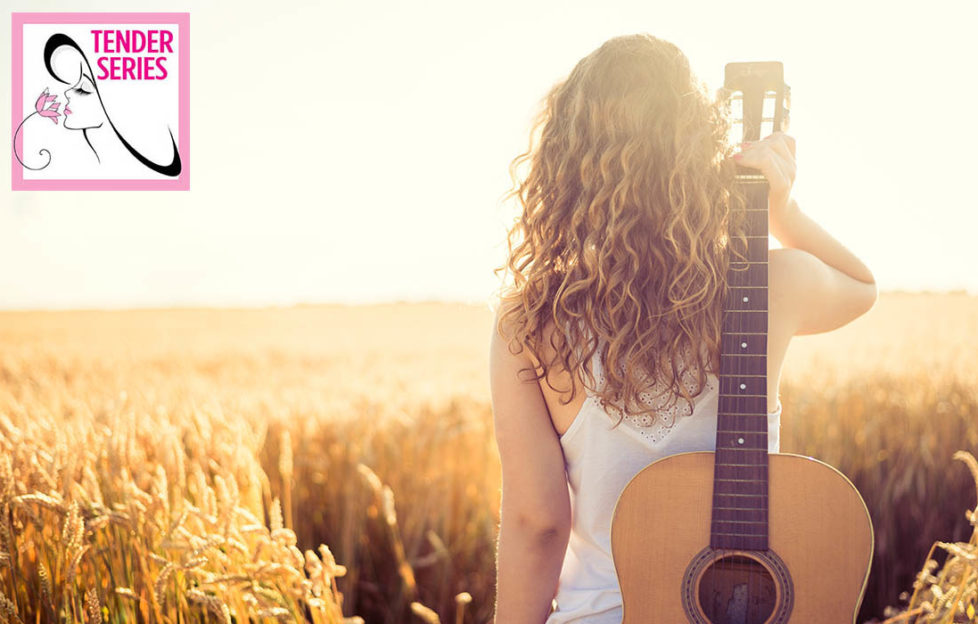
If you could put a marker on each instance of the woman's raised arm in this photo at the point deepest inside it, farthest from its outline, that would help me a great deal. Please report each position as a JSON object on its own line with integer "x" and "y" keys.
{"x": 821, "y": 285}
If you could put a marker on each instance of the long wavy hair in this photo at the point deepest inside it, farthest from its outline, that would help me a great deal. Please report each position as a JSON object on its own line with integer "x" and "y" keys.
{"x": 628, "y": 213}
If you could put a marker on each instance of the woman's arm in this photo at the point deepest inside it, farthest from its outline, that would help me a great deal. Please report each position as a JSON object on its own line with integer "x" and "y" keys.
{"x": 797, "y": 230}
{"x": 535, "y": 514}
{"x": 822, "y": 285}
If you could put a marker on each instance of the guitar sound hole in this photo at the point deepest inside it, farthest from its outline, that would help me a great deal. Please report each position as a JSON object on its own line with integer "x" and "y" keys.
{"x": 737, "y": 589}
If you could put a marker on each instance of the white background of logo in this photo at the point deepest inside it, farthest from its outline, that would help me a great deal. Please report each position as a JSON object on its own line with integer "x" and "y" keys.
{"x": 142, "y": 110}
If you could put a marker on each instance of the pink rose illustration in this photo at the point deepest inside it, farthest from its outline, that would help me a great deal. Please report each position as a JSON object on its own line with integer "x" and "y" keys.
{"x": 47, "y": 106}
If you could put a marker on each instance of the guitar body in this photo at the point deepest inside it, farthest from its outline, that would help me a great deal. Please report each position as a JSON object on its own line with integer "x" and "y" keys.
{"x": 820, "y": 540}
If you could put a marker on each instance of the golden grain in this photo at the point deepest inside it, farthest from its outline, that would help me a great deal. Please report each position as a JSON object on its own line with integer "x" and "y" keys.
{"x": 164, "y": 428}
{"x": 126, "y": 593}
{"x": 426, "y": 614}
{"x": 275, "y": 612}
{"x": 94, "y": 608}
{"x": 47, "y": 594}
{"x": 9, "y": 610}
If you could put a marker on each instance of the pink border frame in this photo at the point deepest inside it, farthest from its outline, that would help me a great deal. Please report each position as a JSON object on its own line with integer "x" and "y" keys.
{"x": 182, "y": 20}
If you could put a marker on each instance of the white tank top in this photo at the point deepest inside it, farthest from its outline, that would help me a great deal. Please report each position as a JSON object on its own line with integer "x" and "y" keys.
{"x": 599, "y": 462}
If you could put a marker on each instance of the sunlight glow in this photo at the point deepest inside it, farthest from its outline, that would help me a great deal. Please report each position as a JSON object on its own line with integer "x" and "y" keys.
{"x": 383, "y": 139}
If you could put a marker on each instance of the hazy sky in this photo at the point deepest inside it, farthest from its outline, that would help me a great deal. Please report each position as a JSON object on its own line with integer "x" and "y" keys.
{"x": 358, "y": 151}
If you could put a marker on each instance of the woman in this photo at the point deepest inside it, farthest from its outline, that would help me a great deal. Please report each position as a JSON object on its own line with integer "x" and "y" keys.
{"x": 619, "y": 276}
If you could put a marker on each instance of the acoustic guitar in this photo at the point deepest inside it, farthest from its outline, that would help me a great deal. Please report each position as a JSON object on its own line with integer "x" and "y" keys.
{"x": 741, "y": 535}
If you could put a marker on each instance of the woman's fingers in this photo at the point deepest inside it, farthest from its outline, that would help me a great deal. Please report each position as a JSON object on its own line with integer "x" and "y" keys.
{"x": 760, "y": 156}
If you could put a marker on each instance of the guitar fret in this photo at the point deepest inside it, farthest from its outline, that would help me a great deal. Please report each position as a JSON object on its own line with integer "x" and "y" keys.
{"x": 736, "y": 321}
{"x": 750, "y": 415}
{"x": 740, "y": 455}
{"x": 741, "y": 385}
{"x": 746, "y": 529}
{"x": 756, "y": 444}
{"x": 747, "y": 273}
{"x": 744, "y": 345}
{"x": 759, "y": 473}
{"x": 731, "y": 376}
{"x": 745, "y": 341}
{"x": 735, "y": 423}
{"x": 738, "y": 514}
{"x": 754, "y": 248}
{"x": 756, "y": 542}
{"x": 759, "y": 465}
{"x": 743, "y": 404}
{"x": 739, "y": 448}
{"x": 745, "y": 364}
{"x": 741, "y": 487}
{"x": 732, "y": 404}
{"x": 731, "y": 395}
{"x": 761, "y": 496}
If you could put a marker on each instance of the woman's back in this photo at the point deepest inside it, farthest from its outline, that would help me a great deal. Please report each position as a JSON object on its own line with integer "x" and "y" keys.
{"x": 600, "y": 460}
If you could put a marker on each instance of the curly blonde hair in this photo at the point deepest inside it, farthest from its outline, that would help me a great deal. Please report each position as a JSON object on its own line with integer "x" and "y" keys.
{"x": 628, "y": 211}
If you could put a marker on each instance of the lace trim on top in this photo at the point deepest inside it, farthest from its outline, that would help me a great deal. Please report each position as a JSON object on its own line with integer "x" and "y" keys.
{"x": 668, "y": 409}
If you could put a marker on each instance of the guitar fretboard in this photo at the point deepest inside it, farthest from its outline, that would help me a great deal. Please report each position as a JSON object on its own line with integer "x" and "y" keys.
{"x": 740, "y": 479}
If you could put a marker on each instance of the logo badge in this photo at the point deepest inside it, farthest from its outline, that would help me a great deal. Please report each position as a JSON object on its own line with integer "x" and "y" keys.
{"x": 101, "y": 101}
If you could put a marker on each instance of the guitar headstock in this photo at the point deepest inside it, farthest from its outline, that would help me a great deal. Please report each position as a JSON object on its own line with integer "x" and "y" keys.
{"x": 758, "y": 95}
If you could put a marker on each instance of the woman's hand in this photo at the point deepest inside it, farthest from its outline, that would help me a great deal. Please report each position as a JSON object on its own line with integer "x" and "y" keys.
{"x": 774, "y": 155}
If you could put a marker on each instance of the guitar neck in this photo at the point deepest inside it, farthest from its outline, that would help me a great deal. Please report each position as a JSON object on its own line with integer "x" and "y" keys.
{"x": 740, "y": 487}
{"x": 740, "y": 477}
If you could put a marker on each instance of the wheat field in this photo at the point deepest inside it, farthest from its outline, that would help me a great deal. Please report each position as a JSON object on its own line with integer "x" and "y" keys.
{"x": 336, "y": 463}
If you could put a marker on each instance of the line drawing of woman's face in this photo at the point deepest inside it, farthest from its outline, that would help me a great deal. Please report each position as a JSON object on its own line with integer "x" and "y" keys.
{"x": 83, "y": 102}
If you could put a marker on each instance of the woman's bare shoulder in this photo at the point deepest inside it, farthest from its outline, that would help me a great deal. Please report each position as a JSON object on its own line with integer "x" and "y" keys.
{"x": 505, "y": 329}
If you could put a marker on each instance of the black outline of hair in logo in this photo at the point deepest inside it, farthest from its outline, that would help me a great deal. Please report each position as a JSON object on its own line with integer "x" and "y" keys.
{"x": 60, "y": 39}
